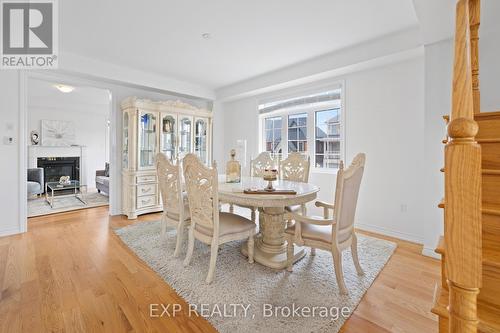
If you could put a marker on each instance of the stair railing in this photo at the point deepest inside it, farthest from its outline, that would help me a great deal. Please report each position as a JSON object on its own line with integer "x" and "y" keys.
{"x": 463, "y": 177}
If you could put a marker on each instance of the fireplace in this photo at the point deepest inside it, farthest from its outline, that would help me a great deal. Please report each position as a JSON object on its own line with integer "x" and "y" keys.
{"x": 55, "y": 167}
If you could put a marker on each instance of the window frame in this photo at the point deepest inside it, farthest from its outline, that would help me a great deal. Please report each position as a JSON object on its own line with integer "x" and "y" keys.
{"x": 310, "y": 110}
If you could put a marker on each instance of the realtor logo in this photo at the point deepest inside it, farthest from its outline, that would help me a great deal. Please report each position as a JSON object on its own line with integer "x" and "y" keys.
{"x": 29, "y": 34}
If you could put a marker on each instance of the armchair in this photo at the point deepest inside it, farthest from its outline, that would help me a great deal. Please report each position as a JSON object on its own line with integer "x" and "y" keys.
{"x": 35, "y": 181}
{"x": 295, "y": 168}
{"x": 336, "y": 233}
{"x": 102, "y": 180}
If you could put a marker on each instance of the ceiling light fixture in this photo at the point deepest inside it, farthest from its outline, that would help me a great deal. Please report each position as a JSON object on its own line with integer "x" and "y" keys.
{"x": 64, "y": 88}
{"x": 206, "y": 35}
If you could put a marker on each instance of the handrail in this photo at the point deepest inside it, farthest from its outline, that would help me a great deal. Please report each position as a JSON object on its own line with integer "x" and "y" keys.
{"x": 474, "y": 22}
{"x": 463, "y": 179}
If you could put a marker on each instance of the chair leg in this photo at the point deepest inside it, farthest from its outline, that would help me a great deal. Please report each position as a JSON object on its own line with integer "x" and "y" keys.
{"x": 289, "y": 254}
{"x": 164, "y": 226}
{"x": 250, "y": 248}
{"x": 339, "y": 274}
{"x": 252, "y": 217}
{"x": 354, "y": 252}
{"x": 231, "y": 208}
{"x": 180, "y": 238}
{"x": 189, "y": 253}
{"x": 213, "y": 261}
{"x": 313, "y": 251}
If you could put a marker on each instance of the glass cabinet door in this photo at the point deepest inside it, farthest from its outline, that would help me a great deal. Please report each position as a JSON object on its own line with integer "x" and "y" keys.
{"x": 168, "y": 138}
{"x": 147, "y": 140}
{"x": 185, "y": 135}
{"x": 201, "y": 139}
{"x": 125, "y": 141}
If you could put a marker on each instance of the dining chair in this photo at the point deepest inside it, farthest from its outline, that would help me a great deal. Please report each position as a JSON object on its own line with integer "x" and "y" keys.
{"x": 208, "y": 224}
{"x": 175, "y": 203}
{"x": 295, "y": 168}
{"x": 257, "y": 166}
{"x": 333, "y": 234}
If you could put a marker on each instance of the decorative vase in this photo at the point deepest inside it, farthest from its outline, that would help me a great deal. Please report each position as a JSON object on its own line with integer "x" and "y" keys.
{"x": 233, "y": 169}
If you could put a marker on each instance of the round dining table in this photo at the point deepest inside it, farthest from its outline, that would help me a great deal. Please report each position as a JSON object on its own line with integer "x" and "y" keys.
{"x": 270, "y": 244}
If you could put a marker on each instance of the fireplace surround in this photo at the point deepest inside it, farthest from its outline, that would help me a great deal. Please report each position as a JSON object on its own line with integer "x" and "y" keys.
{"x": 55, "y": 167}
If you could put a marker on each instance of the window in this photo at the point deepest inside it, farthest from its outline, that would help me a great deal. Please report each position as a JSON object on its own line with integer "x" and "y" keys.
{"x": 311, "y": 125}
{"x": 327, "y": 139}
{"x": 273, "y": 136}
{"x": 297, "y": 132}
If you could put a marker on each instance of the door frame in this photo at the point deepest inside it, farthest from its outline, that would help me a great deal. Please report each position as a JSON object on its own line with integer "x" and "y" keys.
{"x": 115, "y": 174}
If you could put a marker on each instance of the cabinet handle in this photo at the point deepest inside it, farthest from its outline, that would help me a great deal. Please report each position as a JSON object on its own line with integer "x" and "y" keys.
{"x": 146, "y": 190}
{"x": 146, "y": 201}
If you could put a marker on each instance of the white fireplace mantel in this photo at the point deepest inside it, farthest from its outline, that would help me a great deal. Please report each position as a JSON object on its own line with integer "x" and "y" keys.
{"x": 34, "y": 152}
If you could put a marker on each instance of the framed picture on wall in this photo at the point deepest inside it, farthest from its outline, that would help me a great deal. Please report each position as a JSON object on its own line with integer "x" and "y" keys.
{"x": 58, "y": 133}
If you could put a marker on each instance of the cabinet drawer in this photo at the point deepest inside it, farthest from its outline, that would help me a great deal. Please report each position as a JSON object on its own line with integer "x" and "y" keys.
{"x": 146, "y": 189}
{"x": 146, "y": 179}
{"x": 146, "y": 201}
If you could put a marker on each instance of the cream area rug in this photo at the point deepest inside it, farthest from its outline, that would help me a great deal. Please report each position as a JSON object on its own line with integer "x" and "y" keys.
{"x": 39, "y": 206}
{"x": 248, "y": 297}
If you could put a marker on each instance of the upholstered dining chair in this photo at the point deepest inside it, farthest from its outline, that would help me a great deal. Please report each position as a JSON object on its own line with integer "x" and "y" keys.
{"x": 295, "y": 168}
{"x": 257, "y": 166}
{"x": 333, "y": 234}
{"x": 208, "y": 224}
{"x": 175, "y": 203}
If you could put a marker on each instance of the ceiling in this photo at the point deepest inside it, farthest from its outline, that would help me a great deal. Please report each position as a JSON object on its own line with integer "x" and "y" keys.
{"x": 44, "y": 94}
{"x": 248, "y": 38}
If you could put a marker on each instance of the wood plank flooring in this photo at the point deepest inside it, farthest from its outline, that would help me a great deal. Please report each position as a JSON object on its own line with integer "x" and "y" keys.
{"x": 71, "y": 273}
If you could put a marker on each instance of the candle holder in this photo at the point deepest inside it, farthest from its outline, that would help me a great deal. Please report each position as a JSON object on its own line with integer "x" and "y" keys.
{"x": 270, "y": 175}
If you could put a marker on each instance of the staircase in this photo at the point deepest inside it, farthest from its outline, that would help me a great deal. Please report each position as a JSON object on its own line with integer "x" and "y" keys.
{"x": 489, "y": 296}
{"x": 468, "y": 297}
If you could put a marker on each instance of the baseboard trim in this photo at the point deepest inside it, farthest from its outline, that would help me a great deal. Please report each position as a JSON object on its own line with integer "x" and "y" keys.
{"x": 10, "y": 231}
{"x": 429, "y": 252}
{"x": 391, "y": 233}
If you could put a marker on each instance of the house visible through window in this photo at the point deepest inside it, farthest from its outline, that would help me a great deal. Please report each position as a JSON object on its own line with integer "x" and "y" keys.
{"x": 297, "y": 132}
{"x": 273, "y": 130}
{"x": 327, "y": 139}
{"x": 310, "y": 124}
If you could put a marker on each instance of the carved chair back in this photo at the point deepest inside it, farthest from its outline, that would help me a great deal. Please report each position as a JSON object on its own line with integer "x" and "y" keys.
{"x": 346, "y": 198}
{"x": 295, "y": 168}
{"x": 260, "y": 163}
{"x": 169, "y": 180}
{"x": 202, "y": 191}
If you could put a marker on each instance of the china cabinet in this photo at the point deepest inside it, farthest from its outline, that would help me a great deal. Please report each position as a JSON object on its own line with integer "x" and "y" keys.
{"x": 173, "y": 128}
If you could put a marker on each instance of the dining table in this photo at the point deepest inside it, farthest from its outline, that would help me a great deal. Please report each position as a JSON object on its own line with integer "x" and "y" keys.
{"x": 270, "y": 243}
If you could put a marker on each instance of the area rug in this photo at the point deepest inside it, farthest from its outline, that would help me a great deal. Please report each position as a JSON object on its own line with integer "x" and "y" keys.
{"x": 39, "y": 206}
{"x": 248, "y": 297}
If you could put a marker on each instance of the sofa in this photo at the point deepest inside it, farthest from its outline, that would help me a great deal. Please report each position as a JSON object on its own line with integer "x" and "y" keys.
{"x": 35, "y": 181}
{"x": 102, "y": 180}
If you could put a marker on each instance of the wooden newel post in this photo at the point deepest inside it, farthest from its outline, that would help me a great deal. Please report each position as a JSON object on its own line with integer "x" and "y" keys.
{"x": 463, "y": 224}
{"x": 463, "y": 243}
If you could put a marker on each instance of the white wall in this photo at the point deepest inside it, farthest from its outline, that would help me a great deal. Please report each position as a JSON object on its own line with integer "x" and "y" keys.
{"x": 438, "y": 82}
{"x": 385, "y": 119}
{"x": 10, "y": 171}
{"x": 489, "y": 49}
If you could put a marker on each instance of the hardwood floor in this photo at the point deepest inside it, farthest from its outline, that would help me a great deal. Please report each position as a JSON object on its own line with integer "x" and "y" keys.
{"x": 70, "y": 273}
